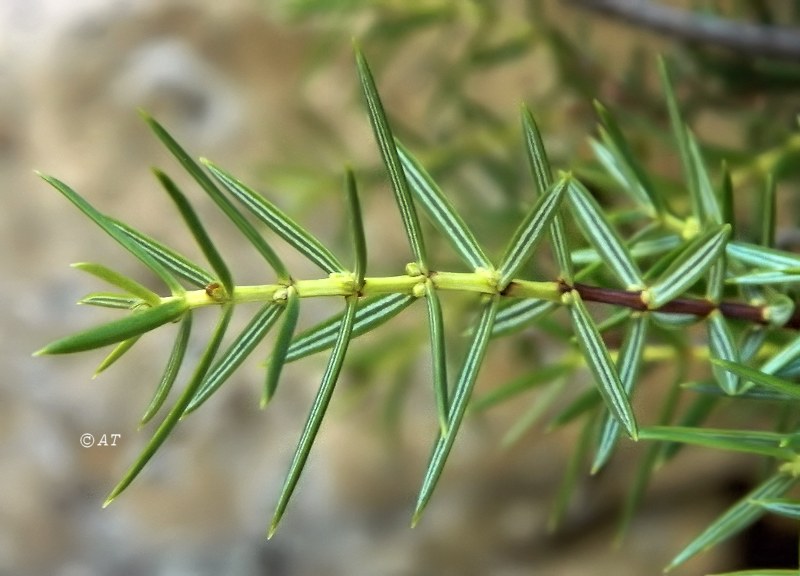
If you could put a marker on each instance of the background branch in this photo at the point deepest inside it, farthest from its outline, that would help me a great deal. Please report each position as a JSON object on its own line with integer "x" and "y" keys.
{"x": 779, "y": 42}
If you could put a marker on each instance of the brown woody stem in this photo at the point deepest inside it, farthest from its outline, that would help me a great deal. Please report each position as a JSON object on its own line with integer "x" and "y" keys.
{"x": 693, "y": 306}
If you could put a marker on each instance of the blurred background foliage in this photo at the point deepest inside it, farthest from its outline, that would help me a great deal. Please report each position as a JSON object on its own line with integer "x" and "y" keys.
{"x": 452, "y": 75}
{"x": 455, "y": 73}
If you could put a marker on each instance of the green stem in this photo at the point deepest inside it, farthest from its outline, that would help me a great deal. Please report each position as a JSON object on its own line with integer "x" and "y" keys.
{"x": 482, "y": 282}
{"x": 344, "y": 285}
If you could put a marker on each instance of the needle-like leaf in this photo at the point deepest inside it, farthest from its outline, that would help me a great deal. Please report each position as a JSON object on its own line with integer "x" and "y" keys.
{"x": 441, "y": 212}
{"x": 385, "y": 139}
{"x": 519, "y": 315}
{"x": 356, "y": 229}
{"x": 461, "y": 397}
{"x": 280, "y": 223}
{"x": 317, "y": 412}
{"x": 722, "y": 346}
{"x": 762, "y": 257}
{"x": 759, "y": 377}
{"x": 117, "y": 353}
{"x": 174, "y": 415}
{"x": 678, "y": 129}
{"x": 131, "y": 325}
{"x": 538, "y": 163}
{"x": 736, "y": 518}
{"x": 599, "y": 361}
{"x": 540, "y": 169}
{"x": 372, "y": 312}
{"x": 638, "y": 250}
{"x": 198, "y": 231}
{"x": 530, "y": 232}
{"x": 167, "y": 257}
{"x": 128, "y": 284}
{"x": 281, "y": 347}
{"x": 438, "y": 354}
{"x": 784, "y": 506}
{"x": 715, "y": 282}
{"x": 690, "y": 264}
{"x": 745, "y": 441}
{"x": 108, "y": 226}
{"x": 637, "y": 183}
{"x": 790, "y": 276}
{"x": 236, "y": 353}
{"x": 170, "y": 370}
{"x": 569, "y": 481}
{"x": 111, "y": 300}
{"x": 789, "y": 353}
{"x": 609, "y": 159}
{"x": 196, "y": 172}
{"x": 707, "y": 206}
{"x": 603, "y": 237}
{"x": 629, "y": 363}
{"x": 754, "y": 393}
{"x": 751, "y": 342}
